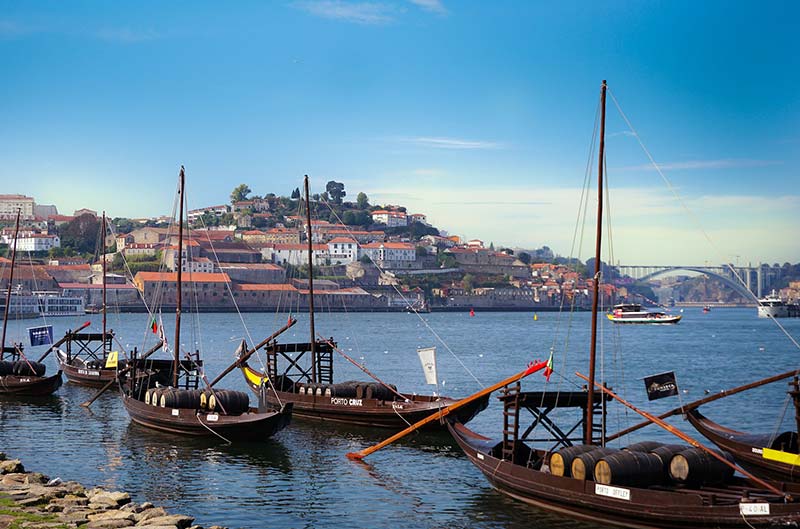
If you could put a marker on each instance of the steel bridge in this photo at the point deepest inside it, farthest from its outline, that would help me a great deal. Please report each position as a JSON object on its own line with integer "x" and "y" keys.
{"x": 746, "y": 280}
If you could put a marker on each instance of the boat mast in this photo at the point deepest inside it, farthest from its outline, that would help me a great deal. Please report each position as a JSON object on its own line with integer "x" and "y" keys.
{"x": 588, "y": 438}
{"x": 10, "y": 282}
{"x": 310, "y": 286}
{"x": 179, "y": 286}
{"x": 103, "y": 257}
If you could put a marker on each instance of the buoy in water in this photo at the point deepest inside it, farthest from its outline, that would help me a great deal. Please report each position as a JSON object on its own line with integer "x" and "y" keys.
{"x": 472, "y": 312}
{"x": 535, "y": 317}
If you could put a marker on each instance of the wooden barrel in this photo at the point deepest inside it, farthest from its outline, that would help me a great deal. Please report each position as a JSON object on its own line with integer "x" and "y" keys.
{"x": 6, "y": 368}
{"x": 583, "y": 464}
{"x": 29, "y": 368}
{"x": 695, "y": 467}
{"x": 155, "y": 396}
{"x": 561, "y": 461}
{"x": 630, "y": 468}
{"x": 667, "y": 452}
{"x": 229, "y": 402}
{"x": 181, "y": 398}
{"x": 643, "y": 446}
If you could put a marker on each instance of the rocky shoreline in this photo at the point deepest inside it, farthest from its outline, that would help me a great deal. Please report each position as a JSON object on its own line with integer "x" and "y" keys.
{"x": 30, "y": 500}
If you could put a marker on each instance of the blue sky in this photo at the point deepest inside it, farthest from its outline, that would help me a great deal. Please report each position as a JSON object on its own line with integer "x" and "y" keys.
{"x": 478, "y": 114}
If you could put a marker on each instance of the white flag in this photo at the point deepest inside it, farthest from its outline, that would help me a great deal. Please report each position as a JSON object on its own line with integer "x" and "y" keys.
{"x": 428, "y": 358}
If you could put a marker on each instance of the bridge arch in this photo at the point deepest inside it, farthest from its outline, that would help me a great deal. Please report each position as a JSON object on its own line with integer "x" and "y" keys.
{"x": 738, "y": 287}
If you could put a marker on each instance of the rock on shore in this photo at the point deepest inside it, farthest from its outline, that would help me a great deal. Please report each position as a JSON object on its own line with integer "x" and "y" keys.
{"x": 30, "y": 499}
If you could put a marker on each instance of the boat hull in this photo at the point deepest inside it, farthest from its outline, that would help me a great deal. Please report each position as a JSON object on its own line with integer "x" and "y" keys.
{"x": 630, "y": 507}
{"x": 665, "y": 319}
{"x": 29, "y": 385}
{"x": 79, "y": 373}
{"x": 378, "y": 413}
{"x": 747, "y": 449}
{"x": 253, "y": 425}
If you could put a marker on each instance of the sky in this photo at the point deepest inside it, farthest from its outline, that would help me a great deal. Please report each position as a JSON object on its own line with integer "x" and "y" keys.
{"x": 478, "y": 114}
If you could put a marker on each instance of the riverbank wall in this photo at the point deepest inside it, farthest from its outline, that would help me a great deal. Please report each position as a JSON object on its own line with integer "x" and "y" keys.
{"x": 31, "y": 499}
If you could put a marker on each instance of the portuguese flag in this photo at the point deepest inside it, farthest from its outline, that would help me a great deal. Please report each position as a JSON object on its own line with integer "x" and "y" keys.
{"x": 548, "y": 370}
{"x": 154, "y": 326}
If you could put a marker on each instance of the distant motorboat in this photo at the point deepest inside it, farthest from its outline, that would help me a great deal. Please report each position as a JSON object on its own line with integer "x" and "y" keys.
{"x": 635, "y": 313}
{"x": 706, "y": 309}
{"x": 772, "y": 306}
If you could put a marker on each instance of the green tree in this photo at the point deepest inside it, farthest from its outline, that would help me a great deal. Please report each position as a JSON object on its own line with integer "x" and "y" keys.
{"x": 468, "y": 282}
{"x": 524, "y": 257}
{"x": 421, "y": 251}
{"x": 240, "y": 193}
{"x": 296, "y": 193}
{"x": 446, "y": 260}
{"x": 80, "y": 234}
{"x": 336, "y": 191}
{"x": 362, "y": 201}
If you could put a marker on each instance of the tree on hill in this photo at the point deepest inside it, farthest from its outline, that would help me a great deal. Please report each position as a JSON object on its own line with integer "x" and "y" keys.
{"x": 240, "y": 193}
{"x": 295, "y": 193}
{"x": 362, "y": 201}
{"x": 524, "y": 257}
{"x": 336, "y": 191}
{"x": 80, "y": 233}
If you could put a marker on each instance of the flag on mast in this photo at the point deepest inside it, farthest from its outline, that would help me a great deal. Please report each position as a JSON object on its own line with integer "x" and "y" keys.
{"x": 427, "y": 356}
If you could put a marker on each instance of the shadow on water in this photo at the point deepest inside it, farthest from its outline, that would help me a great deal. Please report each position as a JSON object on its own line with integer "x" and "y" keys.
{"x": 490, "y": 509}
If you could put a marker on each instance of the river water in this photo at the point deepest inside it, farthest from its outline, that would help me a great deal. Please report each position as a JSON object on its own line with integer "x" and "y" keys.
{"x": 301, "y": 477}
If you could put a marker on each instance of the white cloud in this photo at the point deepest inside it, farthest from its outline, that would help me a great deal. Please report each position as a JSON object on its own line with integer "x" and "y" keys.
{"x": 369, "y": 13}
{"x": 648, "y": 225}
{"x": 727, "y": 163}
{"x": 434, "y": 6}
{"x": 451, "y": 143}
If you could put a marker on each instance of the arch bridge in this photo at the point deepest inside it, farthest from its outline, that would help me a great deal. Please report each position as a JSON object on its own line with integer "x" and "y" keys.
{"x": 748, "y": 281}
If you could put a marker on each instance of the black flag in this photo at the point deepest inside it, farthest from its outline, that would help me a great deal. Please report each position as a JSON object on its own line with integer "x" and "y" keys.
{"x": 661, "y": 385}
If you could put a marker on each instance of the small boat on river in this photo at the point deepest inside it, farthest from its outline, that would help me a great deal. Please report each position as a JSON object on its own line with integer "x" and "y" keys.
{"x": 306, "y": 381}
{"x": 643, "y": 485}
{"x": 635, "y": 313}
{"x": 165, "y": 395}
{"x": 21, "y": 376}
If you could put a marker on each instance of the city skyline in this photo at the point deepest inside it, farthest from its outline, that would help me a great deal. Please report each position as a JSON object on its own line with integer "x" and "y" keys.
{"x": 478, "y": 115}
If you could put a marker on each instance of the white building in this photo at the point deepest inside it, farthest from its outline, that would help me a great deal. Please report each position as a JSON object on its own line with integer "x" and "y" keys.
{"x": 390, "y": 218}
{"x": 10, "y": 204}
{"x": 391, "y": 254}
{"x": 36, "y": 242}
{"x": 342, "y": 250}
{"x": 297, "y": 254}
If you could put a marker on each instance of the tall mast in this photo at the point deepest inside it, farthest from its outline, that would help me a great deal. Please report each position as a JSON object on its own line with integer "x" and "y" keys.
{"x": 10, "y": 282}
{"x": 596, "y": 283}
{"x": 311, "y": 286}
{"x": 103, "y": 257}
{"x": 179, "y": 286}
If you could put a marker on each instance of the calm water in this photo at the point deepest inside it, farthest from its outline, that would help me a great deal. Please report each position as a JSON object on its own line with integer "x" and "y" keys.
{"x": 301, "y": 477}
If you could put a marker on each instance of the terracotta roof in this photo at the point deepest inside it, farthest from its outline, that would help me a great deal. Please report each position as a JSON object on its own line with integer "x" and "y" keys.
{"x": 266, "y": 287}
{"x": 314, "y": 247}
{"x": 99, "y": 286}
{"x": 194, "y": 277}
{"x": 342, "y": 240}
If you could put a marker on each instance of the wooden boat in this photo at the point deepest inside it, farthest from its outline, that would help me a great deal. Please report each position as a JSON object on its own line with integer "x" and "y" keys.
{"x": 635, "y": 313}
{"x": 181, "y": 407}
{"x": 20, "y": 376}
{"x": 771, "y": 456}
{"x": 315, "y": 395}
{"x": 85, "y": 356}
{"x": 605, "y": 488}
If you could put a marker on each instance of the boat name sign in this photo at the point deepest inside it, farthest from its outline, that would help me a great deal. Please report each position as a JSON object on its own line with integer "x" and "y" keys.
{"x": 339, "y": 401}
{"x": 757, "y": 509}
{"x": 612, "y": 492}
{"x": 88, "y": 373}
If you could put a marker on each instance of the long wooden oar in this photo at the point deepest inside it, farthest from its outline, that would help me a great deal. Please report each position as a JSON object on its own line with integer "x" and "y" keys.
{"x": 706, "y": 400}
{"x": 66, "y": 337}
{"x": 676, "y": 432}
{"x": 102, "y": 390}
{"x": 441, "y": 413}
{"x": 240, "y": 360}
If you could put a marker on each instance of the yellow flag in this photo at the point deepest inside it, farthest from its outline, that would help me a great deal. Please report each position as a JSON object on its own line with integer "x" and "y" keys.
{"x": 111, "y": 361}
